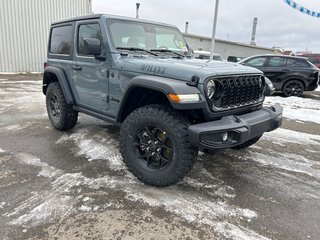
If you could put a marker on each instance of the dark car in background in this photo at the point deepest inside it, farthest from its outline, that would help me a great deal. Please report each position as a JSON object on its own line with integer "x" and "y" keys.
{"x": 290, "y": 75}
{"x": 206, "y": 55}
{"x": 234, "y": 59}
{"x": 313, "y": 58}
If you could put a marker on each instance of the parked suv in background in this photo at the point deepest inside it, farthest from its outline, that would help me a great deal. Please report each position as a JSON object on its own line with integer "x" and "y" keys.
{"x": 140, "y": 74}
{"x": 290, "y": 75}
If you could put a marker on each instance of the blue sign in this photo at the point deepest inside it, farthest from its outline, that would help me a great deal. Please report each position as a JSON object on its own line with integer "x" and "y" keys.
{"x": 302, "y": 9}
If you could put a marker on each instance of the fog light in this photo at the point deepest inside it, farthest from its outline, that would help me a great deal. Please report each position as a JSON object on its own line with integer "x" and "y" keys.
{"x": 225, "y": 137}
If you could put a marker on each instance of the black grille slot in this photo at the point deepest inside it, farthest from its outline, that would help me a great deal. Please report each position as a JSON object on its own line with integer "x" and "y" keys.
{"x": 236, "y": 91}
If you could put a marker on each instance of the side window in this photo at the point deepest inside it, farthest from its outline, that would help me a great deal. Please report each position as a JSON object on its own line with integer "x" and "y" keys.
{"x": 61, "y": 38}
{"x": 276, "y": 62}
{"x": 256, "y": 62}
{"x": 297, "y": 63}
{"x": 91, "y": 30}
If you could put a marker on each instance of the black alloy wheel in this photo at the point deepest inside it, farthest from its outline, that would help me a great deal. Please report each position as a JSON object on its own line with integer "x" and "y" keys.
{"x": 153, "y": 147}
{"x": 61, "y": 115}
{"x": 293, "y": 88}
{"x": 54, "y": 106}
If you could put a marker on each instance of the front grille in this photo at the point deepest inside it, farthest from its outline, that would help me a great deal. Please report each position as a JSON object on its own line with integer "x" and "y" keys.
{"x": 237, "y": 91}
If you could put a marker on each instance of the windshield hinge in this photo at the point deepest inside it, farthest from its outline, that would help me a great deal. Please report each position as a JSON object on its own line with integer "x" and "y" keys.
{"x": 194, "y": 81}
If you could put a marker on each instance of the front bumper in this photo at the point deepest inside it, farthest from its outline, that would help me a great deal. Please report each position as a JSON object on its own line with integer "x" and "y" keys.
{"x": 234, "y": 130}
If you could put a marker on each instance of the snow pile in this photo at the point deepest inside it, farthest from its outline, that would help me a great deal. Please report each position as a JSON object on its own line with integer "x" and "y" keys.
{"x": 297, "y": 108}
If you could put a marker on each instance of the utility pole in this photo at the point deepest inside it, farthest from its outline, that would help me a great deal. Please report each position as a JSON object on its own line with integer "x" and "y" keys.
{"x": 214, "y": 28}
{"x": 254, "y": 32}
{"x": 137, "y": 9}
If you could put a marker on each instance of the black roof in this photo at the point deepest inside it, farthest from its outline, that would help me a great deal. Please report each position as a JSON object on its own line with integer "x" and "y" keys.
{"x": 97, "y": 16}
{"x": 93, "y": 16}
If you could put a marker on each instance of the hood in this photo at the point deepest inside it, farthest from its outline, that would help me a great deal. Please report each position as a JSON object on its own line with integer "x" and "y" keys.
{"x": 183, "y": 69}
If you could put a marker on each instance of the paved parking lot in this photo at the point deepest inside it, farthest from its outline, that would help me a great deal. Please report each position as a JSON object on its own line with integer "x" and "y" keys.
{"x": 73, "y": 185}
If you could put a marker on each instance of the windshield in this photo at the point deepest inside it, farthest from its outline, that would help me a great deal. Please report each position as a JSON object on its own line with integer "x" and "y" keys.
{"x": 130, "y": 34}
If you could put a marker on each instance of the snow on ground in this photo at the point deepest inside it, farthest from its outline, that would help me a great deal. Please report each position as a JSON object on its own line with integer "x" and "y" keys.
{"x": 188, "y": 205}
{"x": 283, "y": 136}
{"x": 2, "y": 81}
{"x": 46, "y": 169}
{"x": 318, "y": 89}
{"x": 210, "y": 200}
{"x": 296, "y": 108}
{"x": 26, "y": 100}
{"x": 94, "y": 147}
{"x": 61, "y": 201}
{"x": 287, "y": 161}
{"x": 194, "y": 208}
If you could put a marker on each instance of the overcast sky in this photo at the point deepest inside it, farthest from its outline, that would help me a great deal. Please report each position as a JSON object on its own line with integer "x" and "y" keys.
{"x": 278, "y": 24}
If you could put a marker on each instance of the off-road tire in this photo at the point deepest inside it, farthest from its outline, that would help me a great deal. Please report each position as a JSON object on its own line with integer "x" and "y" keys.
{"x": 67, "y": 117}
{"x": 248, "y": 143}
{"x": 176, "y": 129}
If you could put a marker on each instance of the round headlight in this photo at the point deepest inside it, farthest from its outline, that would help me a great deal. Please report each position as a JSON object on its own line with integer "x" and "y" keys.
{"x": 210, "y": 88}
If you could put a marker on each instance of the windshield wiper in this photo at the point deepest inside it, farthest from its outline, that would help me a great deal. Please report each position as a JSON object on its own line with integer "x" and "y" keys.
{"x": 167, "y": 51}
{"x": 137, "y": 50}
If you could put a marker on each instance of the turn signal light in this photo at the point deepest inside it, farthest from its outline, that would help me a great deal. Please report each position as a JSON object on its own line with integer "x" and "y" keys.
{"x": 183, "y": 98}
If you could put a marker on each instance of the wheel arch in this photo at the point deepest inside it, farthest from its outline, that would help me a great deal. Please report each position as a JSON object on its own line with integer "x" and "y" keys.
{"x": 138, "y": 96}
{"x": 54, "y": 74}
{"x": 145, "y": 90}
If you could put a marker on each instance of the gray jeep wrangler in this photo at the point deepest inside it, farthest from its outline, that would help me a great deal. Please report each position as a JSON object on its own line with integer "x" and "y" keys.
{"x": 141, "y": 74}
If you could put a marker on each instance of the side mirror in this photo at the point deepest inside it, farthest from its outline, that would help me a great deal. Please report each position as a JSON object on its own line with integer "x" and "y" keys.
{"x": 92, "y": 46}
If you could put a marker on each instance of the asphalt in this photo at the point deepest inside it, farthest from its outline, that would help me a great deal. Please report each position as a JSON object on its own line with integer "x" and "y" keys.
{"x": 73, "y": 185}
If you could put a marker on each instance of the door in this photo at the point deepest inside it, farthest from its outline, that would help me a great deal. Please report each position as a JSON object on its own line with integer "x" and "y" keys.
{"x": 257, "y": 62}
{"x": 275, "y": 68}
{"x": 90, "y": 75}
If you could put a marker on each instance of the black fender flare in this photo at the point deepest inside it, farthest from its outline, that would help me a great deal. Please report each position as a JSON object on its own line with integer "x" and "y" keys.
{"x": 165, "y": 86}
{"x": 62, "y": 79}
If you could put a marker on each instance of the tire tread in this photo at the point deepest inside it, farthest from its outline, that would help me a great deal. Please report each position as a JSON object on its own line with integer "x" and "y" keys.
{"x": 176, "y": 121}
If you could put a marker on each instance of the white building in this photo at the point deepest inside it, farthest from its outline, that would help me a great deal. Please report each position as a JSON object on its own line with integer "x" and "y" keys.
{"x": 24, "y": 30}
{"x": 226, "y": 48}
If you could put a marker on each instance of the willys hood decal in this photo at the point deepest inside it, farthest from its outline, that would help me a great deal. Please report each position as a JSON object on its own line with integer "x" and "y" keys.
{"x": 184, "y": 69}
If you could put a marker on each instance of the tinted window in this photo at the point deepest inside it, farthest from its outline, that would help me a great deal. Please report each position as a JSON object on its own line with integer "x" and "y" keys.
{"x": 276, "y": 62}
{"x": 297, "y": 63}
{"x": 91, "y": 30}
{"x": 61, "y": 38}
{"x": 256, "y": 62}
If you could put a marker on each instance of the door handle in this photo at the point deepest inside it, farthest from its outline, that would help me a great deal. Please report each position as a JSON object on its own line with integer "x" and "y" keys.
{"x": 77, "y": 67}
